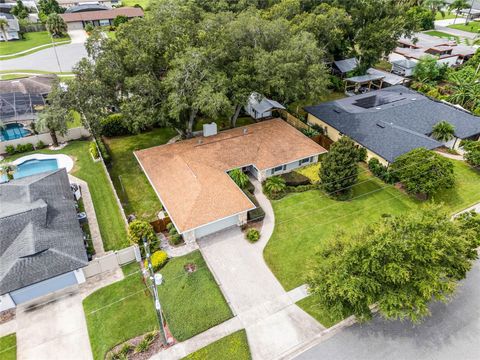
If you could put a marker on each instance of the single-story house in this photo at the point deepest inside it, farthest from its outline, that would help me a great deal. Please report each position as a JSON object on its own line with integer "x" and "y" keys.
{"x": 79, "y": 20}
{"x": 12, "y": 29}
{"x": 392, "y": 121}
{"x": 191, "y": 177}
{"x": 41, "y": 242}
{"x": 38, "y": 84}
{"x": 403, "y": 67}
{"x": 421, "y": 44}
{"x": 259, "y": 107}
{"x": 343, "y": 67}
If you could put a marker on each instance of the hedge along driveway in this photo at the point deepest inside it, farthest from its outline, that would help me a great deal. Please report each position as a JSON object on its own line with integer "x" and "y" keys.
{"x": 135, "y": 192}
{"x": 110, "y": 220}
{"x": 304, "y": 221}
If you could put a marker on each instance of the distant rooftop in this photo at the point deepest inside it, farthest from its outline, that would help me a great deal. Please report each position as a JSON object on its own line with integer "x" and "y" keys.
{"x": 394, "y": 120}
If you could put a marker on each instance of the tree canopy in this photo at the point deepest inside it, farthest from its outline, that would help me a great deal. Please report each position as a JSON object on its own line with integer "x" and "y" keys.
{"x": 423, "y": 171}
{"x": 339, "y": 170}
{"x": 401, "y": 264}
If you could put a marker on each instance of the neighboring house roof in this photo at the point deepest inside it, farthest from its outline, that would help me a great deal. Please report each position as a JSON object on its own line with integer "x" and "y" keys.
{"x": 394, "y": 120}
{"x": 20, "y": 106}
{"x": 31, "y": 85}
{"x": 405, "y": 63}
{"x": 346, "y": 65}
{"x": 85, "y": 7}
{"x": 111, "y": 14}
{"x": 264, "y": 105}
{"x": 388, "y": 77}
{"x": 7, "y": 16}
{"x": 190, "y": 176}
{"x": 40, "y": 236}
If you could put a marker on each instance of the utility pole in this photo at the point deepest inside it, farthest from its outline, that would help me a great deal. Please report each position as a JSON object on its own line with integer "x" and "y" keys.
{"x": 55, "y": 51}
{"x": 158, "y": 307}
{"x": 469, "y": 13}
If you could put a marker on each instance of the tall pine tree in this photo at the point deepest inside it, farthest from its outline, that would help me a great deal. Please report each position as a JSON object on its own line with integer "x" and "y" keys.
{"x": 339, "y": 170}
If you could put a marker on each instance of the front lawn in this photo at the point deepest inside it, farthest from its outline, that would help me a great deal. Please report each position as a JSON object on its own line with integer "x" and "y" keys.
{"x": 8, "y": 347}
{"x": 304, "y": 220}
{"x": 31, "y": 40}
{"x": 231, "y": 347}
{"x": 132, "y": 186}
{"x": 119, "y": 312}
{"x": 192, "y": 303}
{"x": 110, "y": 221}
{"x": 472, "y": 26}
{"x": 322, "y": 315}
{"x": 446, "y": 15}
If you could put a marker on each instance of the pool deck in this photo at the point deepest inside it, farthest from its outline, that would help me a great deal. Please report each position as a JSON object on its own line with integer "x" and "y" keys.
{"x": 63, "y": 160}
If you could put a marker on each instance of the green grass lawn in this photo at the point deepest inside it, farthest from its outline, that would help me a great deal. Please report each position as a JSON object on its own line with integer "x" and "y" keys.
{"x": 231, "y": 347}
{"x": 297, "y": 106}
{"x": 123, "y": 320}
{"x": 443, "y": 35}
{"x": 472, "y": 26}
{"x": 8, "y": 347}
{"x": 322, "y": 315}
{"x": 448, "y": 15}
{"x": 31, "y": 40}
{"x": 304, "y": 220}
{"x": 133, "y": 188}
{"x": 192, "y": 303}
{"x": 143, "y": 3}
{"x": 223, "y": 124}
{"x": 110, "y": 221}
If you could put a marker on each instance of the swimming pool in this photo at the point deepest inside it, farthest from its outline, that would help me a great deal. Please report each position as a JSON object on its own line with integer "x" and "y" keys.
{"x": 39, "y": 163}
{"x": 13, "y": 131}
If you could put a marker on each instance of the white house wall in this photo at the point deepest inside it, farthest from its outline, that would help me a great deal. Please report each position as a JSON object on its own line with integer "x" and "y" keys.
{"x": 218, "y": 226}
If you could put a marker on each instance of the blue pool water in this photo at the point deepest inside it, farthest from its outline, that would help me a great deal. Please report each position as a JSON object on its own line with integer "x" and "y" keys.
{"x": 13, "y": 131}
{"x": 32, "y": 167}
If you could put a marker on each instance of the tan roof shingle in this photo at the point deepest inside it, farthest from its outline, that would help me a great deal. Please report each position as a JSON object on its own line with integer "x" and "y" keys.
{"x": 190, "y": 176}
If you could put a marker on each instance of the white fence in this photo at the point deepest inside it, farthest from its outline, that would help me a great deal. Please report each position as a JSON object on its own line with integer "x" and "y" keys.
{"x": 72, "y": 134}
{"x": 111, "y": 261}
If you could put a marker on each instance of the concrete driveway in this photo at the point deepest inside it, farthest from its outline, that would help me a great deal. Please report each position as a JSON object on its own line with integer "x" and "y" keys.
{"x": 273, "y": 322}
{"x": 56, "y": 327}
{"x": 451, "y": 332}
{"x": 77, "y": 36}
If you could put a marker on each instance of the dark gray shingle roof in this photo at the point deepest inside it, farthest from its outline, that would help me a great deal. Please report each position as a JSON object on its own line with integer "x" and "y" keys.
{"x": 40, "y": 236}
{"x": 397, "y": 121}
{"x": 346, "y": 65}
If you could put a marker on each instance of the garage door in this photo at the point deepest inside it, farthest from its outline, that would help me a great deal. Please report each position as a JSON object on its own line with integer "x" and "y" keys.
{"x": 216, "y": 226}
{"x": 43, "y": 287}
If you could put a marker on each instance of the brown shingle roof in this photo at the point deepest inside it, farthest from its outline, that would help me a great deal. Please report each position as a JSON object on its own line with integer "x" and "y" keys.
{"x": 190, "y": 177}
{"x": 129, "y": 12}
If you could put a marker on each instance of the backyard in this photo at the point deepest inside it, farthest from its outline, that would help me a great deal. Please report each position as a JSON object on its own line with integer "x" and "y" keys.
{"x": 132, "y": 186}
{"x": 8, "y": 347}
{"x": 110, "y": 221}
{"x": 231, "y": 347}
{"x": 31, "y": 40}
{"x": 304, "y": 220}
{"x": 192, "y": 303}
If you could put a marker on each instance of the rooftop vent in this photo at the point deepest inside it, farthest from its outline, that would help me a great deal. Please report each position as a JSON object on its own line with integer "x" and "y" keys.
{"x": 337, "y": 111}
{"x": 245, "y": 131}
{"x": 381, "y": 125}
{"x": 210, "y": 129}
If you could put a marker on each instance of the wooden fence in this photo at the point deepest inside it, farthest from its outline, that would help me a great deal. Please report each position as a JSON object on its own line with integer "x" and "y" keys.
{"x": 160, "y": 224}
{"x": 323, "y": 141}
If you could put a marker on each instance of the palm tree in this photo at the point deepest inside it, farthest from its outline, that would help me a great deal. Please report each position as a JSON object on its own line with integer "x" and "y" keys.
{"x": 443, "y": 131}
{"x": 239, "y": 177}
{"x": 275, "y": 185}
{"x": 55, "y": 25}
{"x": 435, "y": 6}
{"x": 4, "y": 28}
{"x": 457, "y": 6}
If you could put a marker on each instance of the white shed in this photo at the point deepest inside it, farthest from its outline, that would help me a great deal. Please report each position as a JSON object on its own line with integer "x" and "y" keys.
{"x": 259, "y": 107}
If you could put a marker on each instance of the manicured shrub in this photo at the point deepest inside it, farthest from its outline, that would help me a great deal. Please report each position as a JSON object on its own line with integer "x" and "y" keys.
{"x": 94, "y": 150}
{"x": 295, "y": 179}
{"x": 21, "y": 148}
{"x": 362, "y": 154}
{"x": 139, "y": 229}
{"x": 310, "y": 132}
{"x": 256, "y": 214}
{"x": 159, "y": 259}
{"x": 252, "y": 235}
{"x": 10, "y": 149}
{"x": 103, "y": 150}
{"x": 173, "y": 236}
{"x": 114, "y": 125}
{"x": 472, "y": 152}
{"x": 381, "y": 171}
{"x": 40, "y": 145}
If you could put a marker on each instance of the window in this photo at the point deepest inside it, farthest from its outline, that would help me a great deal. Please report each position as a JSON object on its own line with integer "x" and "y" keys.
{"x": 279, "y": 168}
{"x": 303, "y": 161}
{"x": 104, "y": 22}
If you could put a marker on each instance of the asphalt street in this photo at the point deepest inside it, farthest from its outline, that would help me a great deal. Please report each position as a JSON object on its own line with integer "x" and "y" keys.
{"x": 452, "y": 332}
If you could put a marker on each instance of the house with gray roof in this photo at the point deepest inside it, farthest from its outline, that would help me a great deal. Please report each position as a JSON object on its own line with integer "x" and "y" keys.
{"x": 392, "y": 121}
{"x": 259, "y": 107}
{"x": 343, "y": 67}
{"x": 41, "y": 242}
